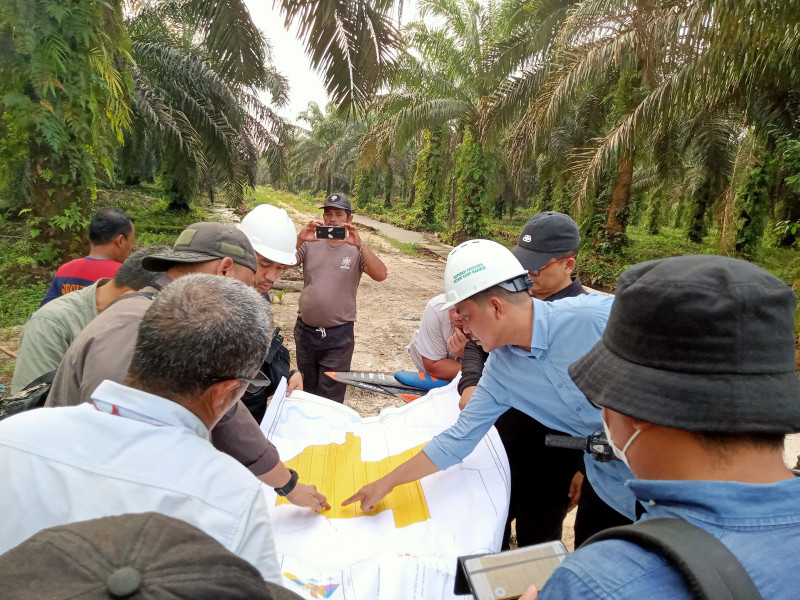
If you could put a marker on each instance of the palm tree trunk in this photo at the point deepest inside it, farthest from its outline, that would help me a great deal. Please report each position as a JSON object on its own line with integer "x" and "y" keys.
{"x": 617, "y": 219}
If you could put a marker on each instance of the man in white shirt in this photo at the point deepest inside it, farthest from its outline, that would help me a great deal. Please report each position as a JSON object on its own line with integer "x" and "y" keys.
{"x": 437, "y": 347}
{"x": 144, "y": 446}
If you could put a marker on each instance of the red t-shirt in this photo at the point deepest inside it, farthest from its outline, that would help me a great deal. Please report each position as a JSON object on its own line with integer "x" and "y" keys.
{"x": 77, "y": 274}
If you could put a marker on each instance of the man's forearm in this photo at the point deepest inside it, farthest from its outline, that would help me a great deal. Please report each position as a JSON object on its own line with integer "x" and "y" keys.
{"x": 277, "y": 477}
{"x": 373, "y": 266}
{"x": 444, "y": 368}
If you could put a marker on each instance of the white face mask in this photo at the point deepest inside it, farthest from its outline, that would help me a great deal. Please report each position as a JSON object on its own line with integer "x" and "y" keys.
{"x": 620, "y": 454}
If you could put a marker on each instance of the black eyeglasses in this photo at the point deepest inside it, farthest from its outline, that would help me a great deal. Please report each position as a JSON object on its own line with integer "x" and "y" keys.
{"x": 253, "y": 385}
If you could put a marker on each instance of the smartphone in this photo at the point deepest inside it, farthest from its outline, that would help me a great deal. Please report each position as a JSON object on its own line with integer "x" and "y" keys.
{"x": 330, "y": 232}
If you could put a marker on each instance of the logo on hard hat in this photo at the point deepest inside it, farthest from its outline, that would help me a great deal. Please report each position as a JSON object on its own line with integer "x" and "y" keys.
{"x": 526, "y": 238}
{"x": 467, "y": 272}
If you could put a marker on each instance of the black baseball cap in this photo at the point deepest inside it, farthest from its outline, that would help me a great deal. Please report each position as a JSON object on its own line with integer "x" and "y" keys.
{"x": 201, "y": 242}
{"x": 338, "y": 201}
{"x": 545, "y": 235}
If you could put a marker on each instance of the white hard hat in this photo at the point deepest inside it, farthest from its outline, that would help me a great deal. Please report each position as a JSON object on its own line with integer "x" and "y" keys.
{"x": 272, "y": 233}
{"x": 477, "y": 265}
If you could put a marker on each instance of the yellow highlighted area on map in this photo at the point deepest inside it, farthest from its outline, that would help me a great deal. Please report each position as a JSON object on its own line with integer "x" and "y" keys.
{"x": 338, "y": 472}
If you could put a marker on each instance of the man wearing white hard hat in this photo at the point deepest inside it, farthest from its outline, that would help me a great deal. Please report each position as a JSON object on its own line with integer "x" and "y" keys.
{"x": 272, "y": 235}
{"x": 531, "y": 344}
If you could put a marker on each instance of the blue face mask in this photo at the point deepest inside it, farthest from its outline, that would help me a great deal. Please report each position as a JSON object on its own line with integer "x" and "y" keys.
{"x": 620, "y": 454}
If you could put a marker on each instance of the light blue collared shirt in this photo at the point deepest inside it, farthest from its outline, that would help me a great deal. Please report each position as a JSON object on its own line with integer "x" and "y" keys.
{"x": 759, "y": 523}
{"x": 537, "y": 383}
{"x": 128, "y": 452}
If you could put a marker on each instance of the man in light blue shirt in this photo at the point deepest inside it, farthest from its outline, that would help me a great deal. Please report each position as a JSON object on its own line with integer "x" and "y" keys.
{"x": 697, "y": 379}
{"x": 531, "y": 343}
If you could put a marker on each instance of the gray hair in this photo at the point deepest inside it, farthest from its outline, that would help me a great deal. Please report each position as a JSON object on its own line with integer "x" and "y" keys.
{"x": 200, "y": 330}
{"x": 131, "y": 274}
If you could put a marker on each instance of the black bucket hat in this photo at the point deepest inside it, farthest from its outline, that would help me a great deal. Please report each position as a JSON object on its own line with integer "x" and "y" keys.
{"x": 543, "y": 236}
{"x": 698, "y": 343}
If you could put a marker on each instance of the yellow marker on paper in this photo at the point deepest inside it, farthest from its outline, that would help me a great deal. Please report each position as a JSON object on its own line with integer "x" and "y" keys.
{"x": 338, "y": 472}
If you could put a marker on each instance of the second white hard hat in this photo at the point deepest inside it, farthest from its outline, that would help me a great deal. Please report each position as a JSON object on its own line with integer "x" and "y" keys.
{"x": 272, "y": 233}
{"x": 477, "y": 265}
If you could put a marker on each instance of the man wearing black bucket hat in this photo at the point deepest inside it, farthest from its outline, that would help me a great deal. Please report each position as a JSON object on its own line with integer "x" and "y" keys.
{"x": 696, "y": 377}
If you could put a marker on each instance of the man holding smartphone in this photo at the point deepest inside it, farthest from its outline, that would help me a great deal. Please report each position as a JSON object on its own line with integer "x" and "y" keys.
{"x": 332, "y": 268}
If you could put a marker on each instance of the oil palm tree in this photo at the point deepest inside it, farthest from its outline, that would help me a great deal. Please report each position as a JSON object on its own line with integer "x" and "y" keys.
{"x": 199, "y": 68}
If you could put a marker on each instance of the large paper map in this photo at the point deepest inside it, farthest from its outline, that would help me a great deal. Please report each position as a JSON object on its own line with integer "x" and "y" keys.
{"x": 406, "y": 547}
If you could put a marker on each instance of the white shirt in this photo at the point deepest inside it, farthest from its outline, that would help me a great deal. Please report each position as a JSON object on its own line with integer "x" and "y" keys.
{"x": 430, "y": 340}
{"x": 128, "y": 452}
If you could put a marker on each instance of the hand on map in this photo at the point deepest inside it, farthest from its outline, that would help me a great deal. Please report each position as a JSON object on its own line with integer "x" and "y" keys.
{"x": 456, "y": 342}
{"x": 307, "y": 495}
{"x": 295, "y": 383}
{"x": 369, "y": 495}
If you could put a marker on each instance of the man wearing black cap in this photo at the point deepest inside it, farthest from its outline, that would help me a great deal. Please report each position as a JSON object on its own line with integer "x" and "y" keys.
{"x": 696, "y": 377}
{"x": 104, "y": 348}
{"x": 332, "y": 270}
{"x": 541, "y": 477}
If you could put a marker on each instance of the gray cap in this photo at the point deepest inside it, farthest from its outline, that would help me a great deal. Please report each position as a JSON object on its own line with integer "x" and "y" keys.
{"x": 337, "y": 201}
{"x": 545, "y": 235}
{"x": 146, "y": 555}
{"x": 698, "y": 343}
{"x": 201, "y": 242}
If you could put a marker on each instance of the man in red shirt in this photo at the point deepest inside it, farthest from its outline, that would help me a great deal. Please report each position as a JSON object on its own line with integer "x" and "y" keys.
{"x": 111, "y": 239}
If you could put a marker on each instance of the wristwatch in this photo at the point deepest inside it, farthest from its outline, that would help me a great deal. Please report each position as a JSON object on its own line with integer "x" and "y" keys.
{"x": 293, "y": 371}
{"x": 287, "y": 489}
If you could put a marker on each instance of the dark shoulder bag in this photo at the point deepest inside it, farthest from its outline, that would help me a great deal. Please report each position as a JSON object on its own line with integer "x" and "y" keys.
{"x": 710, "y": 569}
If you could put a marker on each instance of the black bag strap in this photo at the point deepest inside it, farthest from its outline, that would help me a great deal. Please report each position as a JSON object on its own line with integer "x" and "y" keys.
{"x": 709, "y": 568}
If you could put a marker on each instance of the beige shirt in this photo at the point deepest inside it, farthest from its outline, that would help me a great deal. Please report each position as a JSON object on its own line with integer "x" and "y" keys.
{"x": 331, "y": 274}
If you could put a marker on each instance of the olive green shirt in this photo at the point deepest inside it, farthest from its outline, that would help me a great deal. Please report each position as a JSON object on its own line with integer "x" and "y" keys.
{"x": 49, "y": 332}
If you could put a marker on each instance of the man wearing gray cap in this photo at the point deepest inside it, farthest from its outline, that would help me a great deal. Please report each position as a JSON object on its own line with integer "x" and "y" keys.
{"x": 332, "y": 269}
{"x": 103, "y": 350}
{"x": 698, "y": 385}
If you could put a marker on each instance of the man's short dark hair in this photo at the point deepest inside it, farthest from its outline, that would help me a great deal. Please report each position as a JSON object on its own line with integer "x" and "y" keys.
{"x": 107, "y": 223}
{"x": 132, "y": 275}
{"x": 567, "y": 254}
{"x": 517, "y": 298}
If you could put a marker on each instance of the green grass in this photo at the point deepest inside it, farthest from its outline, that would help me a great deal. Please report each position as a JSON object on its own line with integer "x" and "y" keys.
{"x": 265, "y": 194}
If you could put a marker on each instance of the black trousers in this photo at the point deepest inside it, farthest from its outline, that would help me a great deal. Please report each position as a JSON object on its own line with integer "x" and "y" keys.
{"x": 321, "y": 349}
{"x": 594, "y": 515}
{"x": 540, "y": 479}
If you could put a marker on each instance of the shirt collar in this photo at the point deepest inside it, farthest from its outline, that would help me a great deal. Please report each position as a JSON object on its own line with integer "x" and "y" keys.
{"x": 721, "y": 502}
{"x": 539, "y": 330}
{"x": 129, "y": 403}
{"x": 573, "y": 289}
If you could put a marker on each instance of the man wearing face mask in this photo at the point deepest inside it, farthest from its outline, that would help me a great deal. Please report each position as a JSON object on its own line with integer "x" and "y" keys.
{"x": 697, "y": 380}
{"x": 531, "y": 343}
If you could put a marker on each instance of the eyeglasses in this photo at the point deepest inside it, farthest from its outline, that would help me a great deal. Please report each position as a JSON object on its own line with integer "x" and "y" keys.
{"x": 537, "y": 271}
{"x": 253, "y": 385}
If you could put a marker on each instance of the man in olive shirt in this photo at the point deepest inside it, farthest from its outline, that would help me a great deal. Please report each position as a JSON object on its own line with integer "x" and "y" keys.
{"x": 332, "y": 271}
{"x": 51, "y": 329}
